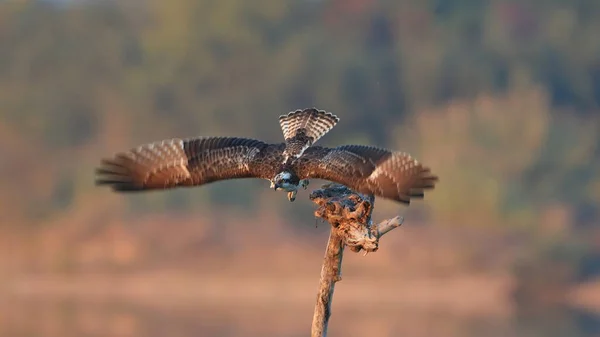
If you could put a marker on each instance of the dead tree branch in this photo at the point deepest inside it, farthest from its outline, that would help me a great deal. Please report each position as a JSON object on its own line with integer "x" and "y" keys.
{"x": 349, "y": 214}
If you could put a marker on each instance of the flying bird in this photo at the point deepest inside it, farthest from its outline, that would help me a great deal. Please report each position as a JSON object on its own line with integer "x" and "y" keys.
{"x": 287, "y": 165}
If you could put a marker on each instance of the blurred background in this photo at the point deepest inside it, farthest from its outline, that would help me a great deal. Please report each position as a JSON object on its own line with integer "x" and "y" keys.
{"x": 499, "y": 98}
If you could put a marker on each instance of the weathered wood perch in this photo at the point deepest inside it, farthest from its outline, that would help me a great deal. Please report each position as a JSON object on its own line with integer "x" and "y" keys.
{"x": 349, "y": 214}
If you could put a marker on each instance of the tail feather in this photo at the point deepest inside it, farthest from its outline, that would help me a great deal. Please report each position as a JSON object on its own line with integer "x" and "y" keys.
{"x": 311, "y": 122}
{"x": 302, "y": 128}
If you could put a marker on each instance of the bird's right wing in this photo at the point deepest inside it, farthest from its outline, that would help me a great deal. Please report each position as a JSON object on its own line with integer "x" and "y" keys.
{"x": 365, "y": 169}
{"x": 192, "y": 162}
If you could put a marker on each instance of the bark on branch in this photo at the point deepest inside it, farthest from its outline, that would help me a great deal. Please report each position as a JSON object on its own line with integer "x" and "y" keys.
{"x": 349, "y": 214}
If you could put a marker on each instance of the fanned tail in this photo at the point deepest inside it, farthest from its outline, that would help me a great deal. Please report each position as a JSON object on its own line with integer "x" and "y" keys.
{"x": 303, "y": 128}
{"x": 312, "y": 122}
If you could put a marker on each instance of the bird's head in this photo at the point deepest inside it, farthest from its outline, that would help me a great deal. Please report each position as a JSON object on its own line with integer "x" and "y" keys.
{"x": 283, "y": 181}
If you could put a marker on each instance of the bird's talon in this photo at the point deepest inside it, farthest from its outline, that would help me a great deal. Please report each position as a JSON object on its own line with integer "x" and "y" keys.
{"x": 292, "y": 196}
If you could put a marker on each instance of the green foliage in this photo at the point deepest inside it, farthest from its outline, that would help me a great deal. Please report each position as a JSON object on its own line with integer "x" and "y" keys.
{"x": 498, "y": 98}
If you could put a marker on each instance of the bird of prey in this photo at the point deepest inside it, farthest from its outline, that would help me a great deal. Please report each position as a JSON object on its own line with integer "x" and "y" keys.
{"x": 287, "y": 165}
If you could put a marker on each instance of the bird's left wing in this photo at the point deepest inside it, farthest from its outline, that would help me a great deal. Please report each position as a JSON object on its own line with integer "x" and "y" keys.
{"x": 186, "y": 162}
{"x": 365, "y": 169}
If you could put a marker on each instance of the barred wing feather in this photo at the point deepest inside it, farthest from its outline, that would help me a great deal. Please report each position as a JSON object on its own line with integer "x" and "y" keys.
{"x": 365, "y": 169}
{"x": 192, "y": 162}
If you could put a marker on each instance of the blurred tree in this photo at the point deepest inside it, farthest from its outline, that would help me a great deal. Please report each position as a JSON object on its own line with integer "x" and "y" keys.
{"x": 500, "y": 98}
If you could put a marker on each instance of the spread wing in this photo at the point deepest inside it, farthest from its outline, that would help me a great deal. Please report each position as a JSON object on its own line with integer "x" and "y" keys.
{"x": 192, "y": 162}
{"x": 370, "y": 170}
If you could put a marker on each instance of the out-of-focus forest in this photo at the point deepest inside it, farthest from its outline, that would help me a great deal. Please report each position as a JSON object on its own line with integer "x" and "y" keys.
{"x": 499, "y": 98}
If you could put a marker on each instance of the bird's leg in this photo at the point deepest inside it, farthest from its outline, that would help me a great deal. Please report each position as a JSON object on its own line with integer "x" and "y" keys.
{"x": 292, "y": 195}
{"x": 304, "y": 183}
